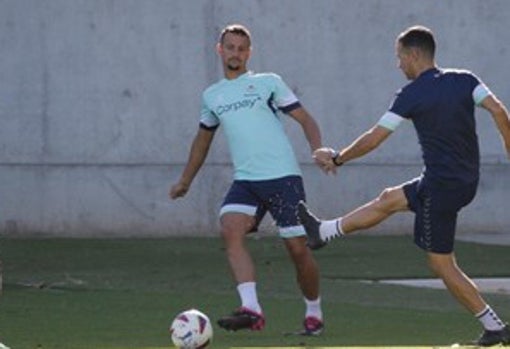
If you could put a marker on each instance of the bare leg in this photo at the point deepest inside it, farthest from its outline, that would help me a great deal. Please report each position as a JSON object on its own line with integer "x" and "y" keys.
{"x": 234, "y": 227}
{"x": 307, "y": 271}
{"x": 393, "y": 200}
{"x": 390, "y": 201}
{"x": 459, "y": 284}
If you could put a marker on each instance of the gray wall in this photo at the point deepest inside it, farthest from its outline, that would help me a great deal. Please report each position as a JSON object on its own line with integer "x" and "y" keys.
{"x": 99, "y": 101}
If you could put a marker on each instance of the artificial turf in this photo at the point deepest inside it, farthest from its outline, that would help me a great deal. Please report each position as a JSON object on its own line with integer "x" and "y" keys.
{"x": 123, "y": 293}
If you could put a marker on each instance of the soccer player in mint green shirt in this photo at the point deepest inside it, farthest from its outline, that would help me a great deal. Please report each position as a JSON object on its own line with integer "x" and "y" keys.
{"x": 267, "y": 177}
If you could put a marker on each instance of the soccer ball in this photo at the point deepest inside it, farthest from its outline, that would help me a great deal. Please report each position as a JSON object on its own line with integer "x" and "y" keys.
{"x": 191, "y": 329}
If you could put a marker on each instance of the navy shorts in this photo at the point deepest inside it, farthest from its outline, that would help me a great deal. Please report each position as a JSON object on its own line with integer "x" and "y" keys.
{"x": 278, "y": 196}
{"x": 436, "y": 210}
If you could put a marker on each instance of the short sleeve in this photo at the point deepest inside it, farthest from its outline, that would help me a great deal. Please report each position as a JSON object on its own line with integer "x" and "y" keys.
{"x": 282, "y": 95}
{"x": 208, "y": 119}
{"x": 480, "y": 92}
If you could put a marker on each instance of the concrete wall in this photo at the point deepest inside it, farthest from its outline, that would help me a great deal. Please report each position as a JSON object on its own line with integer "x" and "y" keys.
{"x": 99, "y": 101}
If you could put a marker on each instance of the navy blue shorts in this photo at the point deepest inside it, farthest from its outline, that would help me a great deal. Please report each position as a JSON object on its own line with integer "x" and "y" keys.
{"x": 436, "y": 210}
{"x": 278, "y": 196}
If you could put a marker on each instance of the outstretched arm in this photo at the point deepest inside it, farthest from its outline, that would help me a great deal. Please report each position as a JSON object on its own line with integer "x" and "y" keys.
{"x": 364, "y": 144}
{"x": 198, "y": 153}
{"x": 500, "y": 115}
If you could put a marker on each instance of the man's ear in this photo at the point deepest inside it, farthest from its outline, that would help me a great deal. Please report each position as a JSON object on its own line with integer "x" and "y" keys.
{"x": 218, "y": 48}
{"x": 416, "y": 53}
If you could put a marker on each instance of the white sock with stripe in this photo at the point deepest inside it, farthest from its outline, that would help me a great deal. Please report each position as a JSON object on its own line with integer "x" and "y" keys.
{"x": 490, "y": 320}
{"x": 331, "y": 229}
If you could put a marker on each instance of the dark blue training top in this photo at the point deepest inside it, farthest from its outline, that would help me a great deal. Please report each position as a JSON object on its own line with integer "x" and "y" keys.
{"x": 440, "y": 103}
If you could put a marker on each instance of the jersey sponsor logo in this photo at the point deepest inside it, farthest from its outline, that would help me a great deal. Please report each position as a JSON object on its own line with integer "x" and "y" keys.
{"x": 246, "y": 103}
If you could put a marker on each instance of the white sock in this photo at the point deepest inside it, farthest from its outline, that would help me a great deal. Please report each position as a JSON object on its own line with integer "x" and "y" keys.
{"x": 248, "y": 293}
{"x": 490, "y": 320}
{"x": 331, "y": 229}
{"x": 313, "y": 308}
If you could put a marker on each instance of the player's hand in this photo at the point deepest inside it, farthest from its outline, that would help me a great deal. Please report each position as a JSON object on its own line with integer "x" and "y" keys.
{"x": 323, "y": 159}
{"x": 178, "y": 190}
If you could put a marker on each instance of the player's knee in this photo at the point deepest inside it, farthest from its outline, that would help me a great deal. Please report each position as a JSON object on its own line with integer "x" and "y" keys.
{"x": 384, "y": 200}
{"x": 232, "y": 239}
{"x": 435, "y": 268}
{"x": 297, "y": 249}
{"x": 441, "y": 264}
{"x": 391, "y": 200}
{"x": 385, "y": 195}
{"x": 235, "y": 225}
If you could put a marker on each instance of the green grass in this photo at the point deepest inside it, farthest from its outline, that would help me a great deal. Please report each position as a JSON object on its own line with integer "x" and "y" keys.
{"x": 112, "y": 294}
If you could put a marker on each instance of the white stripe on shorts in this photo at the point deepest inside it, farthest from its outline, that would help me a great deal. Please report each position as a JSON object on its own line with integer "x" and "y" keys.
{"x": 239, "y": 208}
{"x": 291, "y": 232}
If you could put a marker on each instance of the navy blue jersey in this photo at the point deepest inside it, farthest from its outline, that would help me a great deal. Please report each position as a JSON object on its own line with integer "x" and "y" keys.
{"x": 440, "y": 103}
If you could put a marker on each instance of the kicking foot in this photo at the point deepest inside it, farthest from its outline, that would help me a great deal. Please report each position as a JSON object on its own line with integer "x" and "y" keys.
{"x": 242, "y": 318}
{"x": 311, "y": 225}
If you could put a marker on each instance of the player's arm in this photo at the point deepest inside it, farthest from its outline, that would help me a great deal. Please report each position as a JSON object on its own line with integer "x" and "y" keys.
{"x": 364, "y": 144}
{"x": 312, "y": 134}
{"x": 197, "y": 154}
{"x": 309, "y": 125}
{"x": 500, "y": 115}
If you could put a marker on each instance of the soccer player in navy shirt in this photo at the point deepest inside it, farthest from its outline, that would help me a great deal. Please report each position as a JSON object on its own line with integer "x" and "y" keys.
{"x": 440, "y": 103}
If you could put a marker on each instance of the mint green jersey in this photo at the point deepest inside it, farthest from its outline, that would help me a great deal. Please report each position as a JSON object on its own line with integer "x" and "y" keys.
{"x": 247, "y": 108}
